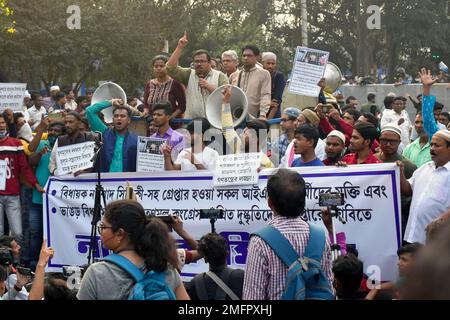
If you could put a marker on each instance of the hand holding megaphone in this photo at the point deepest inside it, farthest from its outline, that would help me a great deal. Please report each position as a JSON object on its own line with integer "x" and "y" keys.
{"x": 117, "y": 102}
{"x": 226, "y": 94}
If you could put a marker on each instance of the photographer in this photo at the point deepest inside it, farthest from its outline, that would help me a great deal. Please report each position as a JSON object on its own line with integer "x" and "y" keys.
{"x": 10, "y": 278}
{"x": 14, "y": 290}
{"x": 9, "y": 258}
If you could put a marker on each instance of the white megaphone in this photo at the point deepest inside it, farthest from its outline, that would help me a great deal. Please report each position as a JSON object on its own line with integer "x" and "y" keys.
{"x": 238, "y": 103}
{"x": 108, "y": 91}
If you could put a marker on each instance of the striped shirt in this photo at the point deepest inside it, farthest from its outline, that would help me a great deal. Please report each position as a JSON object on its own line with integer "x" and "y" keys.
{"x": 265, "y": 273}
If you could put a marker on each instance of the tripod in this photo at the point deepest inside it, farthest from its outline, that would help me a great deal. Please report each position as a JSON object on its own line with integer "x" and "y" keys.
{"x": 335, "y": 248}
{"x": 99, "y": 195}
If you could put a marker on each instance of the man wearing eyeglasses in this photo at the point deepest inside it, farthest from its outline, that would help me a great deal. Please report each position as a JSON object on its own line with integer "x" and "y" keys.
{"x": 390, "y": 139}
{"x": 255, "y": 82}
{"x": 200, "y": 81}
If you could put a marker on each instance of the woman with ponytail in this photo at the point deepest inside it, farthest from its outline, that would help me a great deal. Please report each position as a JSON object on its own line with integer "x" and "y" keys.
{"x": 144, "y": 241}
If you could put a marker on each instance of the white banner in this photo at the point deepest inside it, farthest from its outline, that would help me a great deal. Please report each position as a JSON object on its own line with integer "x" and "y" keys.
{"x": 75, "y": 157}
{"x": 237, "y": 169}
{"x": 11, "y": 96}
{"x": 149, "y": 157}
{"x": 3, "y": 169}
{"x": 309, "y": 68}
{"x": 372, "y": 210}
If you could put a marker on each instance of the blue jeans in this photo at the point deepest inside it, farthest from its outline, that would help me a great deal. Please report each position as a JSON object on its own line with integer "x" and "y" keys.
{"x": 36, "y": 233}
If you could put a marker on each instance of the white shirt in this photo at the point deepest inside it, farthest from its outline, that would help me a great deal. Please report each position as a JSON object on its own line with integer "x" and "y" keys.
{"x": 431, "y": 198}
{"x": 23, "y": 294}
{"x": 207, "y": 158}
{"x": 33, "y": 114}
{"x": 392, "y": 117}
{"x": 319, "y": 151}
{"x": 72, "y": 105}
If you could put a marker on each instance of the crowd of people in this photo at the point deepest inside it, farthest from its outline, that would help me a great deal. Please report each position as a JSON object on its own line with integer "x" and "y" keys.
{"x": 332, "y": 133}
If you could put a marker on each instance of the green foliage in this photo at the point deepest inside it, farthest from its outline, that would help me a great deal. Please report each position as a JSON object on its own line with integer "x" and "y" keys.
{"x": 125, "y": 35}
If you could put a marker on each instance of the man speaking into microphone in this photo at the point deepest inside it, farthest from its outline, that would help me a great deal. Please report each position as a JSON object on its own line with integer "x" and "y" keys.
{"x": 200, "y": 81}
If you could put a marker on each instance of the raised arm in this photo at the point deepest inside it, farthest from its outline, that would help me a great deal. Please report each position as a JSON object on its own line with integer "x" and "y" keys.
{"x": 429, "y": 123}
{"x": 94, "y": 120}
{"x": 175, "y": 57}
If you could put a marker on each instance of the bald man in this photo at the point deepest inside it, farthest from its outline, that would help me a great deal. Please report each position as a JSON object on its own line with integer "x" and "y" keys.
{"x": 429, "y": 187}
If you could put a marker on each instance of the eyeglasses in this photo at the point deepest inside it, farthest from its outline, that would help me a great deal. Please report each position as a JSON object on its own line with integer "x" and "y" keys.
{"x": 101, "y": 227}
{"x": 200, "y": 61}
{"x": 391, "y": 142}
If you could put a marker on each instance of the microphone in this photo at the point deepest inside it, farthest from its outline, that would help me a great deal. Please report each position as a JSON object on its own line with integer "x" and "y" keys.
{"x": 98, "y": 136}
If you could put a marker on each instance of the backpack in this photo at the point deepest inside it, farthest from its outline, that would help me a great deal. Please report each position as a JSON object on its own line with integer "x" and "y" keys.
{"x": 149, "y": 286}
{"x": 222, "y": 291}
{"x": 305, "y": 278}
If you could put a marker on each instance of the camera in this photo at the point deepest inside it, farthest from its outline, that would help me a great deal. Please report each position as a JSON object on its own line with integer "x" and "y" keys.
{"x": 212, "y": 214}
{"x": 24, "y": 271}
{"x": 326, "y": 108}
{"x": 331, "y": 199}
{"x": 6, "y": 257}
{"x": 70, "y": 270}
{"x": 167, "y": 220}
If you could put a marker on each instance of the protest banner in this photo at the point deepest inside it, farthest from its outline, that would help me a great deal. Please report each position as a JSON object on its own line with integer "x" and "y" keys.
{"x": 149, "y": 157}
{"x": 11, "y": 96}
{"x": 371, "y": 194}
{"x": 237, "y": 169}
{"x": 75, "y": 157}
{"x": 309, "y": 67}
{"x": 3, "y": 173}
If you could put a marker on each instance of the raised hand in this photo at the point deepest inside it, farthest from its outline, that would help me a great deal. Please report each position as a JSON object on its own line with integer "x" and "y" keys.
{"x": 183, "y": 42}
{"x": 226, "y": 94}
{"x": 427, "y": 80}
{"x": 45, "y": 255}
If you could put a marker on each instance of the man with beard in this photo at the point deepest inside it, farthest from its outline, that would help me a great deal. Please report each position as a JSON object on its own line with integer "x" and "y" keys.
{"x": 118, "y": 153}
{"x": 335, "y": 148}
{"x": 361, "y": 141}
{"x": 269, "y": 61}
{"x": 389, "y": 142}
{"x": 41, "y": 160}
{"x": 429, "y": 187}
{"x": 200, "y": 82}
{"x": 418, "y": 152}
{"x": 73, "y": 136}
{"x": 198, "y": 156}
{"x": 51, "y": 100}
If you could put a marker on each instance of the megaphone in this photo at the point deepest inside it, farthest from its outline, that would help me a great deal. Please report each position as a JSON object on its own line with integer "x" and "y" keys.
{"x": 333, "y": 77}
{"x": 108, "y": 91}
{"x": 238, "y": 103}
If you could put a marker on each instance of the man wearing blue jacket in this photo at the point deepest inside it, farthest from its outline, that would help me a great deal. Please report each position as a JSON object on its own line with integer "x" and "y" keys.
{"x": 119, "y": 149}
